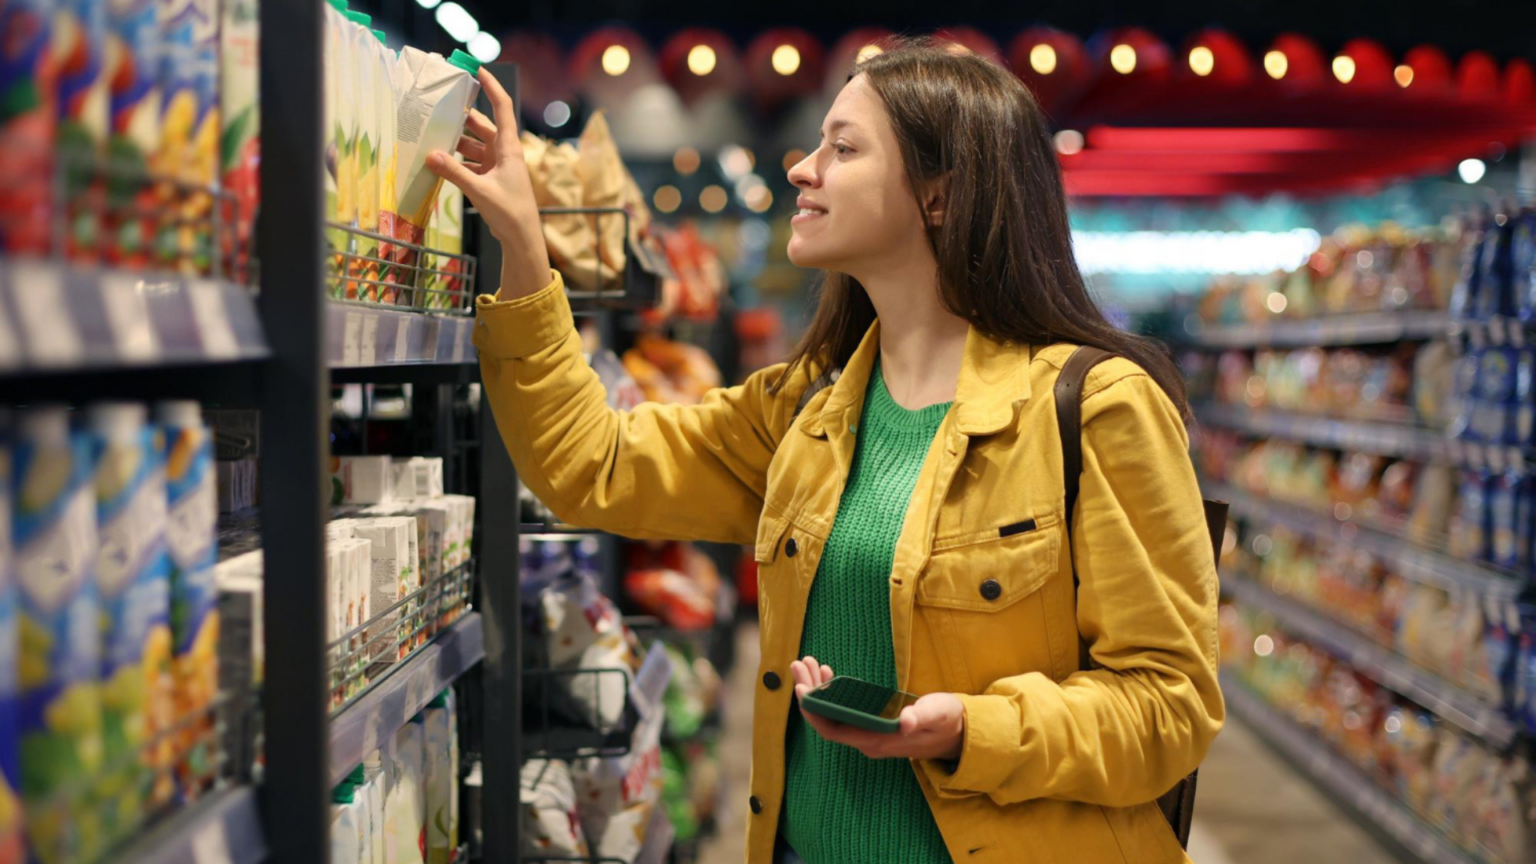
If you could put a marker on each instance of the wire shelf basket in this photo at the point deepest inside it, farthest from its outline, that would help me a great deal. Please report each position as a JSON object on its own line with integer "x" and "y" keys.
{"x": 548, "y": 730}
{"x": 373, "y": 269}
{"x": 639, "y": 283}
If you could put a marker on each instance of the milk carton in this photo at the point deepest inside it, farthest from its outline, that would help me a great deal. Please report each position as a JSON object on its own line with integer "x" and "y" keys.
{"x": 441, "y": 758}
{"x": 133, "y": 579}
{"x": 54, "y": 525}
{"x": 404, "y": 803}
{"x": 361, "y": 480}
{"x": 11, "y": 837}
{"x": 435, "y": 97}
{"x": 192, "y": 536}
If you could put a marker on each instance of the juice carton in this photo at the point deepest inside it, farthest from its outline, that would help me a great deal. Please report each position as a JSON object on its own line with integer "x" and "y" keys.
{"x": 431, "y": 538}
{"x": 386, "y": 98}
{"x": 28, "y": 126}
{"x": 361, "y": 480}
{"x": 81, "y": 42}
{"x": 419, "y": 477}
{"x": 134, "y": 583}
{"x": 373, "y": 798}
{"x": 240, "y": 137}
{"x": 336, "y": 618}
{"x": 390, "y": 574}
{"x": 201, "y": 169}
{"x": 339, "y": 104}
{"x": 360, "y": 582}
{"x": 176, "y": 73}
{"x": 11, "y": 837}
{"x": 441, "y": 758}
{"x": 348, "y": 832}
{"x": 435, "y": 97}
{"x": 133, "y": 40}
{"x": 445, "y": 233}
{"x": 60, "y": 656}
{"x": 363, "y": 272}
{"x": 191, "y": 533}
{"x": 404, "y": 801}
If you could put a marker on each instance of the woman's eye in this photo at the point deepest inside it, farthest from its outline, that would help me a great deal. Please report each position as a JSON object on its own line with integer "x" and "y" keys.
{"x": 841, "y": 150}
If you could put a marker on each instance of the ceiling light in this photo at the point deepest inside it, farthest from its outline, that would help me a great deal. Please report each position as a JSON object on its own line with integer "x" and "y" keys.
{"x": 701, "y": 60}
{"x": 1123, "y": 59}
{"x": 786, "y": 59}
{"x": 1276, "y": 64}
{"x": 616, "y": 60}
{"x": 1042, "y": 59}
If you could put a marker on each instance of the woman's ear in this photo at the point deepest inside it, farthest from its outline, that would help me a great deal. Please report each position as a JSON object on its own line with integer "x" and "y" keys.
{"x": 935, "y": 200}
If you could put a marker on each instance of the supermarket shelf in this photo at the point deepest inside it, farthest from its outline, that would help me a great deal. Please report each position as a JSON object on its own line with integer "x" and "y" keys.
{"x": 1411, "y": 561}
{"x": 1398, "y": 440}
{"x": 1466, "y": 710}
{"x": 1380, "y": 810}
{"x": 58, "y": 320}
{"x": 223, "y": 828}
{"x": 362, "y": 335}
{"x": 366, "y": 724}
{"x": 1364, "y": 329}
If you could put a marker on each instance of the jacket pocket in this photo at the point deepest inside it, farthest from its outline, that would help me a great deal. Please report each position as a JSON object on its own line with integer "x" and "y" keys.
{"x": 992, "y": 572}
{"x": 770, "y": 535}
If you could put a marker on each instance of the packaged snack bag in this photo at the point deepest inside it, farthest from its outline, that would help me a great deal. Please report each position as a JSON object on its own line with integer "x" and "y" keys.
{"x": 583, "y": 630}
{"x": 133, "y": 55}
{"x": 240, "y": 136}
{"x": 60, "y": 656}
{"x": 133, "y": 579}
{"x": 435, "y": 97}
{"x": 192, "y": 536}
{"x": 81, "y": 43}
{"x": 1522, "y": 255}
{"x": 12, "y": 840}
{"x": 615, "y": 795}
{"x": 1469, "y": 528}
{"x": 1466, "y": 296}
{"x": 28, "y": 128}
{"x": 1496, "y": 295}
{"x": 551, "y": 824}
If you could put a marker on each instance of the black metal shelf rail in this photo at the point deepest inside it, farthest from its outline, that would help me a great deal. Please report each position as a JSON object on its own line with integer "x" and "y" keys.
{"x": 549, "y": 733}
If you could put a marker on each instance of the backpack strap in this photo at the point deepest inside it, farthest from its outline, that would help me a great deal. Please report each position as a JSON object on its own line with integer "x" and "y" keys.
{"x": 822, "y": 382}
{"x": 1069, "y": 420}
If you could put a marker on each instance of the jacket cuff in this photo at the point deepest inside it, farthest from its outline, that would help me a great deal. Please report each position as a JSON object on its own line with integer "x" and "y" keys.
{"x": 989, "y": 753}
{"x": 513, "y": 329}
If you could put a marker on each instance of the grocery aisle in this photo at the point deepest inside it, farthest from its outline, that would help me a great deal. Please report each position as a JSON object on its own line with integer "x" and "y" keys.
{"x": 1251, "y": 808}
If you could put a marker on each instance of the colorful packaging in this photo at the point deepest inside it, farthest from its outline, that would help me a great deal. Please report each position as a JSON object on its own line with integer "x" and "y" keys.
{"x": 193, "y": 539}
{"x": 178, "y": 118}
{"x": 404, "y": 803}
{"x": 445, "y": 233}
{"x": 60, "y": 656}
{"x": 81, "y": 43}
{"x": 133, "y": 40}
{"x": 1496, "y": 296}
{"x": 361, "y": 480}
{"x": 391, "y": 576}
{"x": 133, "y": 580}
{"x": 240, "y": 135}
{"x": 441, "y": 755}
{"x": 387, "y": 100}
{"x": 550, "y": 824}
{"x": 363, "y": 280}
{"x": 1522, "y": 255}
{"x": 195, "y": 234}
{"x": 435, "y": 97}
{"x": 340, "y": 171}
{"x": 1466, "y": 297}
{"x": 28, "y": 126}
{"x": 12, "y": 840}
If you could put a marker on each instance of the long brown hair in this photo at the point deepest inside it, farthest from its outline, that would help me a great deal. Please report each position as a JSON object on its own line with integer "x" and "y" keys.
{"x": 1004, "y": 247}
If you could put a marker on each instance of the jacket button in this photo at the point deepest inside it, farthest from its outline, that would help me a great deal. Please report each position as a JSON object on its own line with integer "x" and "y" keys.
{"x": 756, "y": 804}
{"x": 791, "y": 547}
{"x": 771, "y": 680}
{"x": 991, "y": 589}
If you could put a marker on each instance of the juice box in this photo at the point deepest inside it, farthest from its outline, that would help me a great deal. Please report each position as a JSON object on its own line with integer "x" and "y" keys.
{"x": 339, "y": 206}
{"x": 133, "y": 582}
{"x": 191, "y": 533}
{"x": 11, "y": 838}
{"x": 336, "y": 617}
{"x": 201, "y": 169}
{"x": 391, "y": 573}
{"x": 176, "y": 74}
{"x": 81, "y": 40}
{"x": 435, "y": 97}
{"x": 240, "y": 136}
{"x": 363, "y": 271}
{"x": 441, "y": 760}
{"x": 133, "y": 41}
{"x": 28, "y": 125}
{"x": 405, "y": 804}
{"x": 361, "y": 480}
{"x": 60, "y": 656}
{"x": 445, "y": 233}
{"x": 388, "y": 97}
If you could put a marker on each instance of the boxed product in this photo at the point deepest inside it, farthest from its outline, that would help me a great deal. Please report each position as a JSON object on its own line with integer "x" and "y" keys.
{"x": 133, "y": 41}
{"x": 363, "y": 280}
{"x": 350, "y": 591}
{"x": 441, "y": 755}
{"x": 435, "y": 97}
{"x": 195, "y": 241}
{"x": 373, "y": 799}
{"x": 12, "y": 839}
{"x": 191, "y": 533}
{"x": 28, "y": 128}
{"x": 392, "y": 575}
{"x": 60, "y": 656}
{"x": 349, "y": 829}
{"x": 240, "y": 115}
{"x": 387, "y": 97}
{"x": 81, "y": 43}
{"x": 419, "y": 477}
{"x": 404, "y": 801}
{"x": 551, "y": 826}
{"x": 133, "y": 580}
{"x": 361, "y": 480}
{"x": 336, "y": 617}
{"x": 340, "y": 175}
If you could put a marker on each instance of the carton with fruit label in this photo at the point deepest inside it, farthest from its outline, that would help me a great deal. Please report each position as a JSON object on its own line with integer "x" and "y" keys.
{"x": 133, "y": 41}
{"x": 29, "y": 80}
{"x": 11, "y": 841}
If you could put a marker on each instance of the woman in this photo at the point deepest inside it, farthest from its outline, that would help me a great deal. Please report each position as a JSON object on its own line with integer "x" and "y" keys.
{"x": 908, "y": 517}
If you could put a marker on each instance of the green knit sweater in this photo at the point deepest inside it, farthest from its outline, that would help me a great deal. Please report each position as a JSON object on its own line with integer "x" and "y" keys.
{"x": 841, "y": 807}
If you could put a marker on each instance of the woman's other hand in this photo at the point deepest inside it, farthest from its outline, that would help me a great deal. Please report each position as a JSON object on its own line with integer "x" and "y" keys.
{"x": 495, "y": 179}
{"x": 933, "y": 727}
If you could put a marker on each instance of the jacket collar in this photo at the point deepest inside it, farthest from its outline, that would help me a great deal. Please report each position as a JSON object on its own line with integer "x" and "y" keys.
{"x": 994, "y": 378}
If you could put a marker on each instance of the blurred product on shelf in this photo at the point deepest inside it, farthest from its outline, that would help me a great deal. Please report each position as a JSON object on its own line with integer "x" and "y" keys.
{"x": 28, "y": 130}
{"x": 674, "y": 582}
{"x": 192, "y": 537}
{"x": 83, "y": 110}
{"x": 12, "y": 836}
{"x": 339, "y": 101}
{"x": 240, "y": 137}
{"x": 699, "y": 279}
{"x": 401, "y": 804}
{"x": 1338, "y": 382}
{"x": 393, "y": 575}
{"x": 237, "y": 484}
{"x": 589, "y": 249}
{"x": 59, "y": 660}
{"x": 1497, "y": 279}
{"x": 364, "y": 276}
{"x": 133, "y": 581}
{"x": 579, "y": 628}
{"x": 1480, "y": 799}
{"x": 615, "y": 795}
{"x": 135, "y": 132}
{"x": 362, "y": 480}
{"x": 624, "y": 394}
{"x": 673, "y": 373}
{"x": 762, "y": 338}
{"x": 551, "y": 826}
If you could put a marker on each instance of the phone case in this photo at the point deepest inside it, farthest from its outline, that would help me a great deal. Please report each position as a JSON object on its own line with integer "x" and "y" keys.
{"x": 843, "y": 714}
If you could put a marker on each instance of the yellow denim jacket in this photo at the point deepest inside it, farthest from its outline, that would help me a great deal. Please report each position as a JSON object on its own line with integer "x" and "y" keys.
{"x": 1060, "y": 765}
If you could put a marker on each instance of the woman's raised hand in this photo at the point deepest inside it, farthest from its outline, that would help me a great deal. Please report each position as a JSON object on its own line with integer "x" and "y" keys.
{"x": 495, "y": 179}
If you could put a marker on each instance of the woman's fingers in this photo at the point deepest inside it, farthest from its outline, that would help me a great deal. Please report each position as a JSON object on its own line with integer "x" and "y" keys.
{"x": 474, "y": 149}
{"x": 480, "y": 125}
{"x": 454, "y": 172}
{"x": 502, "y": 110}
{"x": 826, "y": 674}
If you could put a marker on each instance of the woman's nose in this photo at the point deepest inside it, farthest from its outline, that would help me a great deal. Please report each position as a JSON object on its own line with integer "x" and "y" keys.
{"x": 803, "y": 173}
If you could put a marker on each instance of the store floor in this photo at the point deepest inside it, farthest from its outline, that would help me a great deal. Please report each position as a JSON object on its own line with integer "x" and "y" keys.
{"x": 1252, "y": 808}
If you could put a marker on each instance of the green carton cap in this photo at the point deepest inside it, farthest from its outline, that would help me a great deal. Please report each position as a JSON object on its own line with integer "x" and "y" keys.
{"x": 379, "y": 35}
{"x": 344, "y": 793}
{"x": 338, "y": 5}
{"x": 360, "y": 18}
{"x": 464, "y": 61}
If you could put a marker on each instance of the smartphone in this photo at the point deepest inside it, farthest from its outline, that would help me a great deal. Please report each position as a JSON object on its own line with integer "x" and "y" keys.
{"x": 858, "y": 703}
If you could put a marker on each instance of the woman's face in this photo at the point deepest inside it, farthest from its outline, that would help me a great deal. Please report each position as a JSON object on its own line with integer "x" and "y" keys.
{"x": 855, "y": 204}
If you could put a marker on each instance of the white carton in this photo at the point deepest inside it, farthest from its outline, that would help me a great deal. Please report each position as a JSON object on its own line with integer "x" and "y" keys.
{"x": 419, "y": 477}
{"x": 441, "y": 757}
{"x": 361, "y": 479}
{"x": 373, "y": 772}
{"x": 405, "y": 806}
{"x": 392, "y": 573}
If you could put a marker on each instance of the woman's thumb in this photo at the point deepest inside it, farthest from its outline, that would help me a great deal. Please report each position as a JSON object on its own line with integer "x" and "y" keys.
{"x": 450, "y": 169}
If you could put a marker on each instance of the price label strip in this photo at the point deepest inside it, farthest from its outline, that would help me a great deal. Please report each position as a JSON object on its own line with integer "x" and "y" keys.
{"x": 351, "y": 339}
{"x": 368, "y": 349}
{"x": 52, "y": 338}
{"x": 402, "y": 338}
{"x": 212, "y": 319}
